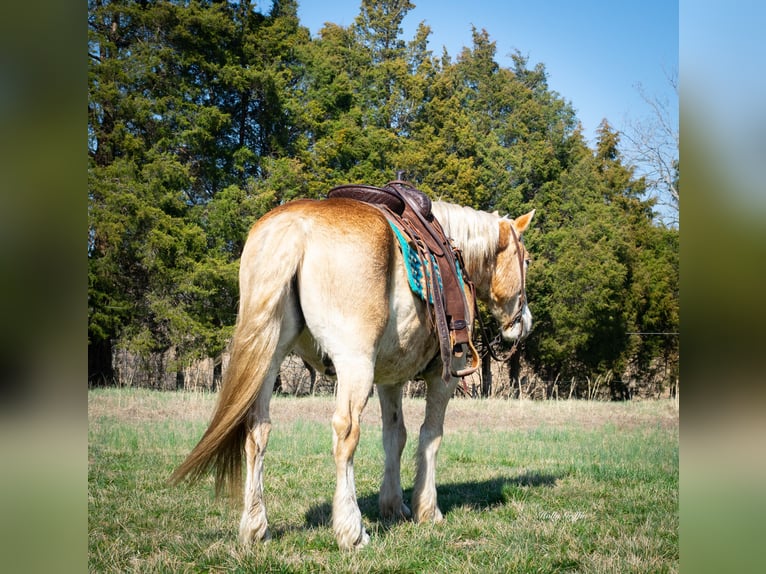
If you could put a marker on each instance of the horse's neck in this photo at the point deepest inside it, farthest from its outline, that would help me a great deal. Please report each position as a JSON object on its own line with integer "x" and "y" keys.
{"x": 475, "y": 234}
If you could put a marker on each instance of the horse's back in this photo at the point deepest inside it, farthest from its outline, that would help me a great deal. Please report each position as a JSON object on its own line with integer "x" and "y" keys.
{"x": 350, "y": 237}
{"x": 340, "y": 218}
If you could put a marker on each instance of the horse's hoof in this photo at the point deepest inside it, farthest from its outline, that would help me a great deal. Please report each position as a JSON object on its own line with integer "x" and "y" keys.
{"x": 250, "y": 538}
{"x": 362, "y": 540}
{"x": 402, "y": 512}
{"x": 434, "y": 516}
{"x": 249, "y": 534}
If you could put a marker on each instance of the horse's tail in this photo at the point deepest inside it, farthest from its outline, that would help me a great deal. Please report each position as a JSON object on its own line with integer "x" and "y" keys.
{"x": 268, "y": 267}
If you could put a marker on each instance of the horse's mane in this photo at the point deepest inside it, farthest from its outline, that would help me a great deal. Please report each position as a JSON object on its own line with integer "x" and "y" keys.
{"x": 475, "y": 233}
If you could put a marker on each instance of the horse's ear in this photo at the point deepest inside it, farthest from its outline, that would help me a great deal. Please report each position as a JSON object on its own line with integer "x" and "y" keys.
{"x": 522, "y": 222}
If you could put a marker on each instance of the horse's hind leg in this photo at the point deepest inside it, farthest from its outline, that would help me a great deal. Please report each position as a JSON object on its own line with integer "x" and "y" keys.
{"x": 354, "y": 385}
{"x": 394, "y": 438}
{"x": 253, "y": 527}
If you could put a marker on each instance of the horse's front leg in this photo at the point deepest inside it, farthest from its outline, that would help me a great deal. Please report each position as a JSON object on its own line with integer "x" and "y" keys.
{"x": 354, "y": 385}
{"x": 391, "y": 500}
{"x": 424, "y": 504}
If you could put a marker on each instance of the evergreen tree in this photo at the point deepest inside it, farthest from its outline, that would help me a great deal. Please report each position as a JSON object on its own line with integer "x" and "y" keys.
{"x": 592, "y": 270}
{"x": 179, "y": 113}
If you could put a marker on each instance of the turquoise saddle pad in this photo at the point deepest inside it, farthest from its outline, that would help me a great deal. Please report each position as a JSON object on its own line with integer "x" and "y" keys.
{"x": 418, "y": 273}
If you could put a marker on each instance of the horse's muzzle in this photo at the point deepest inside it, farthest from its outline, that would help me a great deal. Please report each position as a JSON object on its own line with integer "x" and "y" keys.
{"x": 520, "y": 328}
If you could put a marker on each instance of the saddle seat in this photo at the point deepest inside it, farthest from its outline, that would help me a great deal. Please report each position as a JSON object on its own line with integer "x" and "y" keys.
{"x": 393, "y": 196}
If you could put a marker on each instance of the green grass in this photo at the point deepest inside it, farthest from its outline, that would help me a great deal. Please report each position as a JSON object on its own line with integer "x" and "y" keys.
{"x": 524, "y": 487}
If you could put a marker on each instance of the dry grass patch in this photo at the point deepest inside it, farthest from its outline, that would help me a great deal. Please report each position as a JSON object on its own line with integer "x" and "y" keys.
{"x": 462, "y": 414}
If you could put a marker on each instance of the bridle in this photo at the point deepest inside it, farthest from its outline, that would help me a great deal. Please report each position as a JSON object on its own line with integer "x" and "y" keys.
{"x": 520, "y": 306}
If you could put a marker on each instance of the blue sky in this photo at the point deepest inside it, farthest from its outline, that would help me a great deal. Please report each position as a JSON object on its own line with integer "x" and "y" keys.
{"x": 596, "y": 52}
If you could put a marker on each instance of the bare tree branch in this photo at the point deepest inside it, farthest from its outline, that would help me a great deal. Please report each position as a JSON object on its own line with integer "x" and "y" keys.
{"x": 652, "y": 146}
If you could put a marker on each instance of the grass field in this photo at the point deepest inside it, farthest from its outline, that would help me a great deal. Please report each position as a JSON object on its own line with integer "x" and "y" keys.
{"x": 568, "y": 486}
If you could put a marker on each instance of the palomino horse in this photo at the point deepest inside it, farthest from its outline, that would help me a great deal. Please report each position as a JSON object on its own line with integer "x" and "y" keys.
{"x": 326, "y": 279}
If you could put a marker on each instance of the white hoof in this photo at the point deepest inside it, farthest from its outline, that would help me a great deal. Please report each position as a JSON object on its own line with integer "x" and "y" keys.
{"x": 353, "y": 541}
{"x": 363, "y": 541}
{"x": 251, "y": 531}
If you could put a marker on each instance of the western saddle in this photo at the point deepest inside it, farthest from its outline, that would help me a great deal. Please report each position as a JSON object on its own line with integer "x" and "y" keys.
{"x": 409, "y": 210}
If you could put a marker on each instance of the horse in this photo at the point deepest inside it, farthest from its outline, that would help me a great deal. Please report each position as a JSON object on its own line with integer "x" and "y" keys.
{"x": 326, "y": 279}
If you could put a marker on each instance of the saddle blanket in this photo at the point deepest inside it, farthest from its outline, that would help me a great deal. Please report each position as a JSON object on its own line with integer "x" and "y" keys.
{"x": 418, "y": 272}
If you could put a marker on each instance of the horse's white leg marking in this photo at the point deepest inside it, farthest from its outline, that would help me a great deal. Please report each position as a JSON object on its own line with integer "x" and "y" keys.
{"x": 424, "y": 505}
{"x": 354, "y": 385}
{"x": 253, "y": 527}
{"x": 391, "y": 500}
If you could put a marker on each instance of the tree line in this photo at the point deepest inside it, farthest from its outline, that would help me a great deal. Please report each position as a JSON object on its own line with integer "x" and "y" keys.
{"x": 203, "y": 115}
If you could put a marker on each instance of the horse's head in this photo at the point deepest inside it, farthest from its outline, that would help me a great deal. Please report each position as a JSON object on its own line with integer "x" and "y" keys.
{"x": 507, "y": 294}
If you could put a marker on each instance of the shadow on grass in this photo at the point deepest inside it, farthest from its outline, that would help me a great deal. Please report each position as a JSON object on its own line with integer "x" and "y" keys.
{"x": 481, "y": 495}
